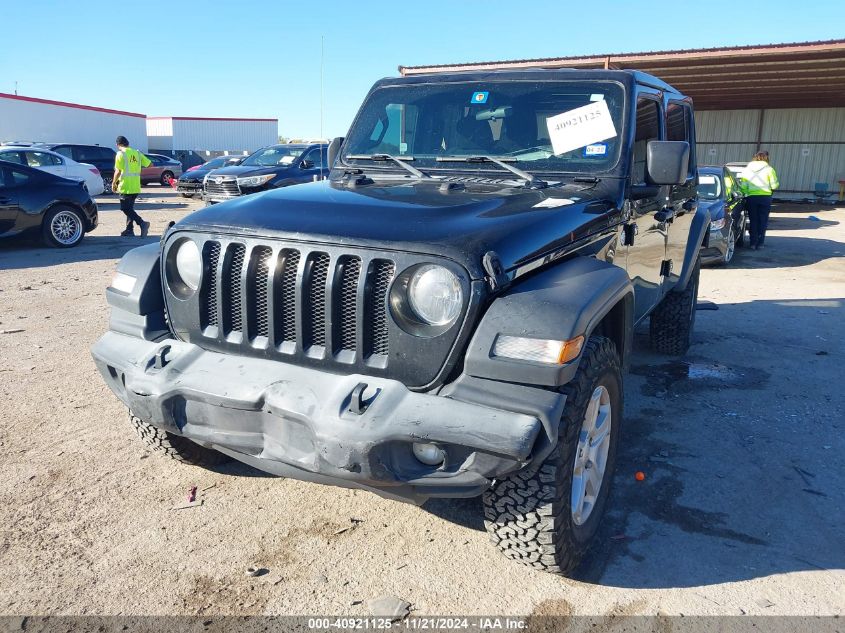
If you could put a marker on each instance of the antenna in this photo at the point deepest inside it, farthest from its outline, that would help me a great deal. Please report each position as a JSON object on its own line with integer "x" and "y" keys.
{"x": 16, "y": 87}
{"x": 322, "y": 40}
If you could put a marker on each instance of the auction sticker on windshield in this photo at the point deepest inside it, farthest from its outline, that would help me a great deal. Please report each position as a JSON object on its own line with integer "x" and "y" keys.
{"x": 580, "y": 127}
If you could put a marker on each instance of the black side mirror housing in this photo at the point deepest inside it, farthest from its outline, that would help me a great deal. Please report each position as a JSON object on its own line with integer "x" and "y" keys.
{"x": 334, "y": 150}
{"x": 306, "y": 164}
{"x": 667, "y": 162}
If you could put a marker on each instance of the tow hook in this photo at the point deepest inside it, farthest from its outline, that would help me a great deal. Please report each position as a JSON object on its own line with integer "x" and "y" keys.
{"x": 357, "y": 404}
{"x": 160, "y": 359}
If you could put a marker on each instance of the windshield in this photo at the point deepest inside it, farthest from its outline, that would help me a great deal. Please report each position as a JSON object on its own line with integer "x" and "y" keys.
{"x": 560, "y": 126}
{"x": 214, "y": 163}
{"x": 273, "y": 156}
{"x": 709, "y": 186}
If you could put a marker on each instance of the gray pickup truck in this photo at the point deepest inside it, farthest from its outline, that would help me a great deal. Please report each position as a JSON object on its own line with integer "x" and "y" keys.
{"x": 448, "y": 315}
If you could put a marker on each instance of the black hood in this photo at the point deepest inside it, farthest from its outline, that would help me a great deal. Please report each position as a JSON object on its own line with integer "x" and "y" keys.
{"x": 518, "y": 224}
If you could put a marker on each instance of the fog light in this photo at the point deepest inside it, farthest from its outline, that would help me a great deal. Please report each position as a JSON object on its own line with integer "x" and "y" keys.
{"x": 429, "y": 454}
{"x": 538, "y": 350}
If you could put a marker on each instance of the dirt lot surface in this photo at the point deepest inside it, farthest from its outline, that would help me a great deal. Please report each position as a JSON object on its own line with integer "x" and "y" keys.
{"x": 742, "y": 442}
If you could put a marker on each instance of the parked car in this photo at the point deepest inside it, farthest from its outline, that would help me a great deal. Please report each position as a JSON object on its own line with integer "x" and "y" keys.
{"x": 36, "y": 201}
{"x": 719, "y": 193}
{"x": 162, "y": 171}
{"x": 268, "y": 168}
{"x": 54, "y": 163}
{"x": 100, "y": 157}
{"x": 447, "y": 319}
{"x": 190, "y": 183}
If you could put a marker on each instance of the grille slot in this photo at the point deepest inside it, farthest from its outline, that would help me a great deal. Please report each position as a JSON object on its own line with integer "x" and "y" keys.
{"x": 232, "y": 300}
{"x": 347, "y": 310}
{"x": 284, "y": 312}
{"x": 382, "y": 275}
{"x": 208, "y": 296}
{"x": 316, "y": 299}
{"x": 259, "y": 274}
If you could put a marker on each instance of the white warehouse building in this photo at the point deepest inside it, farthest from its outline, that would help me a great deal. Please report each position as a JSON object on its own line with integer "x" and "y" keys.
{"x": 47, "y": 121}
{"x": 210, "y": 135}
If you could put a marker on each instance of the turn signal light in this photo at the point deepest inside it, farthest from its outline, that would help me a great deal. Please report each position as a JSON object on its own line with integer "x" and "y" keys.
{"x": 538, "y": 350}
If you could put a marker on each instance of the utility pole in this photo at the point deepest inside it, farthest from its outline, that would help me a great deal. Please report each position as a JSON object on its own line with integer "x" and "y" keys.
{"x": 16, "y": 88}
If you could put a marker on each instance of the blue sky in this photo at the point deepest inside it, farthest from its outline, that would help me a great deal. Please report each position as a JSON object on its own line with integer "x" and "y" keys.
{"x": 262, "y": 59}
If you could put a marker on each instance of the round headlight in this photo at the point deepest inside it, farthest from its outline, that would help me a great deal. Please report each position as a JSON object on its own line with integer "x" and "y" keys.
{"x": 189, "y": 264}
{"x": 435, "y": 295}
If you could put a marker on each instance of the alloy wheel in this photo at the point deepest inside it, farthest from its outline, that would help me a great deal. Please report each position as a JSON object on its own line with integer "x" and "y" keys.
{"x": 66, "y": 228}
{"x": 591, "y": 455}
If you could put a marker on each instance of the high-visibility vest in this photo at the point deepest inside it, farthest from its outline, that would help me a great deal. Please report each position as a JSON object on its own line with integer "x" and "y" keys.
{"x": 130, "y": 161}
{"x": 758, "y": 179}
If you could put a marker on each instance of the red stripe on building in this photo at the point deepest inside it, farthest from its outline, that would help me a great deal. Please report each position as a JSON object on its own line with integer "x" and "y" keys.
{"x": 65, "y": 104}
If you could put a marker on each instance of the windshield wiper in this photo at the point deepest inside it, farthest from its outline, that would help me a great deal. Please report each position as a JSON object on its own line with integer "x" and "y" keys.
{"x": 530, "y": 180}
{"x": 383, "y": 158}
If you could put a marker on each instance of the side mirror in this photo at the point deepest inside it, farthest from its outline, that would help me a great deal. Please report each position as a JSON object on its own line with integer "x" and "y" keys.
{"x": 306, "y": 164}
{"x": 334, "y": 150}
{"x": 667, "y": 162}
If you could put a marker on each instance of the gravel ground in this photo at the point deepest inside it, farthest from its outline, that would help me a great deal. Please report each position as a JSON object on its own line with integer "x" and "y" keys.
{"x": 742, "y": 444}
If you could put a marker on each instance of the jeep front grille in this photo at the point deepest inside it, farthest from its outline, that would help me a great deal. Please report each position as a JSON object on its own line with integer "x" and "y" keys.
{"x": 295, "y": 300}
{"x": 325, "y": 306}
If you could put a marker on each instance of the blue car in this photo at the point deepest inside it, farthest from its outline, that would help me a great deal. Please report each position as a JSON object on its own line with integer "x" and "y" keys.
{"x": 719, "y": 193}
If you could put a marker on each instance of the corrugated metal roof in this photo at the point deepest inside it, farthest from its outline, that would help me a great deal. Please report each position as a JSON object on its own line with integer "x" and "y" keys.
{"x": 793, "y": 75}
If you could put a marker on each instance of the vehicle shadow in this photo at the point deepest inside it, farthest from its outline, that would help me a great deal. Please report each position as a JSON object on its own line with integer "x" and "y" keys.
{"x": 785, "y": 223}
{"x": 784, "y": 251}
{"x": 30, "y": 252}
{"x": 744, "y": 472}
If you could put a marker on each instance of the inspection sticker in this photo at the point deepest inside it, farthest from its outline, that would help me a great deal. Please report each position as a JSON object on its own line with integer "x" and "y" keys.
{"x": 580, "y": 127}
{"x": 596, "y": 149}
{"x": 479, "y": 97}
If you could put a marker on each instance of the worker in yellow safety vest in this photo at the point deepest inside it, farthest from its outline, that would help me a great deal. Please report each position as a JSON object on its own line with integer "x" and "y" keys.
{"x": 127, "y": 182}
{"x": 758, "y": 180}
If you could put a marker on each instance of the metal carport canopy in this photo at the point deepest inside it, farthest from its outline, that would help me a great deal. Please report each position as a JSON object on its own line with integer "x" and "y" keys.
{"x": 798, "y": 75}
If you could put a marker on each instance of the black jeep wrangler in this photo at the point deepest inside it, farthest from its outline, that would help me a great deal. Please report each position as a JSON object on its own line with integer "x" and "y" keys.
{"x": 448, "y": 315}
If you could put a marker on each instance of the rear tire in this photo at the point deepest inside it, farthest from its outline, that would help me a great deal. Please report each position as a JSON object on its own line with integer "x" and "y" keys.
{"x": 672, "y": 321}
{"x": 533, "y": 515}
{"x": 166, "y": 177}
{"x": 175, "y": 446}
{"x": 63, "y": 227}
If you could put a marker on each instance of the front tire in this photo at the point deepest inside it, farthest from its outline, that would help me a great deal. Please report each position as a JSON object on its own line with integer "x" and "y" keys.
{"x": 175, "y": 446}
{"x": 672, "y": 321}
{"x": 63, "y": 227}
{"x": 166, "y": 177}
{"x": 545, "y": 516}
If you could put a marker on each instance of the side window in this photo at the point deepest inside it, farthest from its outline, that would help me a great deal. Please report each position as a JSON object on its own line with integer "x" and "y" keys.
{"x": 104, "y": 153}
{"x": 64, "y": 151}
{"x": 679, "y": 128}
{"x": 41, "y": 159}
{"x": 313, "y": 156}
{"x": 12, "y": 157}
{"x": 4, "y": 177}
{"x": 648, "y": 129}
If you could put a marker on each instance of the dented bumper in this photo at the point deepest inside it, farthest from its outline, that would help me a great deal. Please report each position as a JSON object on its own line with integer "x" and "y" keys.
{"x": 307, "y": 424}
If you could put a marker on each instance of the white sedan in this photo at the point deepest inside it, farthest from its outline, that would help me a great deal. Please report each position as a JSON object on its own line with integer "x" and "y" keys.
{"x": 54, "y": 163}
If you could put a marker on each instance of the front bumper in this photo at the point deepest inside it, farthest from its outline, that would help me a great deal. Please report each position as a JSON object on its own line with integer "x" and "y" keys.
{"x": 299, "y": 422}
{"x": 716, "y": 248}
{"x": 188, "y": 187}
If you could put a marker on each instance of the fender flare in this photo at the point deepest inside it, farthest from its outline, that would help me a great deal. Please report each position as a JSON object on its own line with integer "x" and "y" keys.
{"x": 139, "y": 313}
{"x": 560, "y": 303}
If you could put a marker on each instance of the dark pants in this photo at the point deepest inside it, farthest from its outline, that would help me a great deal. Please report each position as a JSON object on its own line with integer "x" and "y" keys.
{"x": 127, "y": 205}
{"x": 758, "y": 217}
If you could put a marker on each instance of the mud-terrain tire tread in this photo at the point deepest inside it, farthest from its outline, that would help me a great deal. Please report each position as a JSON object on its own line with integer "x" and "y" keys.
{"x": 175, "y": 446}
{"x": 527, "y": 514}
{"x": 672, "y": 321}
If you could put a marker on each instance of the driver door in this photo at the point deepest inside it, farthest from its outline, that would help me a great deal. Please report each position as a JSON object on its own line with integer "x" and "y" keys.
{"x": 644, "y": 258}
